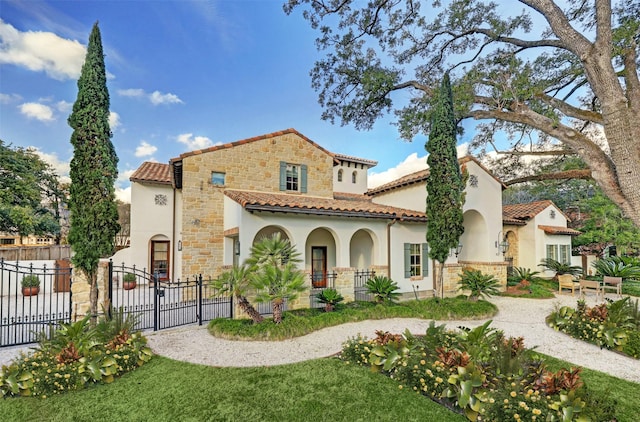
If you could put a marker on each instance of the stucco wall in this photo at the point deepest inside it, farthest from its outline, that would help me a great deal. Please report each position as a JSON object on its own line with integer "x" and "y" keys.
{"x": 347, "y": 185}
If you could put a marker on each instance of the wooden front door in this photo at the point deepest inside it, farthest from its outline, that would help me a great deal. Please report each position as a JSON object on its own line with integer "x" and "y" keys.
{"x": 319, "y": 266}
{"x": 160, "y": 259}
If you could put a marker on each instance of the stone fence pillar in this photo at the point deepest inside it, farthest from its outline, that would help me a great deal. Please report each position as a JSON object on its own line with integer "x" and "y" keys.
{"x": 80, "y": 291}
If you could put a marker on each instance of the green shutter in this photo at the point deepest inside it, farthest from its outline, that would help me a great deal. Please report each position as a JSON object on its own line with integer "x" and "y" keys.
{"x": 283, "y": 175}
{"x": 303, "y": 178}
{"x": 407, "y": 260}
{"x": 425, "y": 260}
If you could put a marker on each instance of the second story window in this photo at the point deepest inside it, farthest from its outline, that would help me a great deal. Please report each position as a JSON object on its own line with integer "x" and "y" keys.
{"x": 354, "y": 177}
{"x": 340, "y": 175}
{"x": 293, "y": 177}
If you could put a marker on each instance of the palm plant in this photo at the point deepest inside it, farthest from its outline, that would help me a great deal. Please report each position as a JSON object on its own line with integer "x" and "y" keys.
{"x": 559, "y": 267}
{"x": 236, "y": 282}
{"x": 274, "y": 273}
{"x": 478, "y": 284}
{"x": 330, "y": 298}
{"x": 383, "y": 289}
{"x": 276, "y": 284}
{"x": 615, "y": 266}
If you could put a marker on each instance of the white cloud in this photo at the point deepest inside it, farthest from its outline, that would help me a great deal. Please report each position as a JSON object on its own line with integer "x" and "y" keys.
{"x": 131, "y": 92}
{"x": 61, "y": 167}
{"x": 123, "y": 194}
{"x": 64, "y": 106}
{"x": 145, "y": 149}
{"x": 9, "y": 98}
{"x": 114, "y": 120}
{"x": 156, "y": 97}
{"x": 411, "y": 164}
{"x": 193, "y": 143}
{"x": 37, "y": 111}
{"x": 58, "y": 57}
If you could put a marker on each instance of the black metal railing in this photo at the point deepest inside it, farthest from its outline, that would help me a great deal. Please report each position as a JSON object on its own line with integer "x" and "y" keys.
{"x": 360, "y": 278}
{"x": 319, "y": 282}
{"x": 24, "y": 314}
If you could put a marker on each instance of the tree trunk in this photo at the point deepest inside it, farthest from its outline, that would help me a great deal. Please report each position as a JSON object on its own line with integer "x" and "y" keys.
{"x": 277, "y": 311}
{"x": 440, "y": 281}
{"x": 248, "y": 309}
{"x": 93, "y": 297}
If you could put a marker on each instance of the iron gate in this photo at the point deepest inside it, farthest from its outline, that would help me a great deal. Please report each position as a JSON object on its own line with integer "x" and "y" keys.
{"x": 26, "y": 313}
{"x": 159, "y": 304}
{"x": 360, "y": 279}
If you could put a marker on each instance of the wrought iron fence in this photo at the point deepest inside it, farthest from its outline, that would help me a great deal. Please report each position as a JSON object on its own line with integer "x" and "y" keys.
{"x": 360, "y": 278}
{"x": 163, "y": 304}
{"x": 319, "y": 282}
{"x": 25, "y": 313}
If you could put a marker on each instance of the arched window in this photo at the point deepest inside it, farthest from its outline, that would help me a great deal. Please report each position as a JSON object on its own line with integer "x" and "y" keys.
{"x": 354, "y": 177}
{"x": 340, "y": 175}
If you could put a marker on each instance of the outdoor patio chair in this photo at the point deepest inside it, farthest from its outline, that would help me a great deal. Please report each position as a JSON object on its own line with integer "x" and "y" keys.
{"x": 612, "y": 283}
{"x": 590, "y": 286}
{"x": 565, "y": 281}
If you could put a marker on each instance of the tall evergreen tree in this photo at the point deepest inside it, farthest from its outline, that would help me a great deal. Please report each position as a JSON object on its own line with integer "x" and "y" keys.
{"x": 445, "y": 183}
{"x": 94, "y": 213}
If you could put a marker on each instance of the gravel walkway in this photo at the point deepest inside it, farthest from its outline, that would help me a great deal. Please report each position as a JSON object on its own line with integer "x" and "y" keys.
{"x": 516, "y": 317}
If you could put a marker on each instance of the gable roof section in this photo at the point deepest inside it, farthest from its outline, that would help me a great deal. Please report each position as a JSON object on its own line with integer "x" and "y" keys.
{"x": 421, "y": 176}
{"x": 368, "y": 163}
{"x": 149, "y": 172}
{"x": 525, "y": 212}
{"x": 558, "y": 230}
{"x": 342, "y": 205}
{"x": 254, "y": 139}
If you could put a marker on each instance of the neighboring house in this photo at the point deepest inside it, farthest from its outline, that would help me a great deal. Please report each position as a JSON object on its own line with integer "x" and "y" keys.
{"x": 202, "y": 212}
{"x": 12, "y": 239}
{"x": 535, "y": 231}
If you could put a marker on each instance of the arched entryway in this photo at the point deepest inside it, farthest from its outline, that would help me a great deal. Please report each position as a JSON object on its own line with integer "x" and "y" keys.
{"x": 475, "y": 239}
{"x": 320, "y": 255}
{"x": 160, "y": 256}
{"x": 361, "y": 250}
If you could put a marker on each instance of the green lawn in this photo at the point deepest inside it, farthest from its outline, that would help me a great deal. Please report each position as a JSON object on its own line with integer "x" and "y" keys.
{"x": 318, "y": 390}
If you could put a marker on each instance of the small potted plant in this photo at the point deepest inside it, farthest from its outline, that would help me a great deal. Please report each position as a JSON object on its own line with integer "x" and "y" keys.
{"x": 129, "y": 281}
{"x": 30, "y": 285}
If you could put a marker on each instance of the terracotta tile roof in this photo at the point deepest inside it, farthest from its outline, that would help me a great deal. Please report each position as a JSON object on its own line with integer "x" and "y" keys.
{"x": 364, "y": 161}
{"x": 249, "y": 140}
{"x": 524, "y": 212}
{"x": 152, "y": 173}
{"x": 558, "y": 230}
{"x": 344, "y": 205}
{"x": 421, "y": 176}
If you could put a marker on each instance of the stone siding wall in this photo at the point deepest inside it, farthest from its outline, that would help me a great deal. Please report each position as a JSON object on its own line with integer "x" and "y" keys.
{"x": 247, "y": 166}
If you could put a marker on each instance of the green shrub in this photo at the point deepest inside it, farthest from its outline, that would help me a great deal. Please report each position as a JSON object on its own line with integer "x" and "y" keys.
{"x": 615, "y": 266}
{"x": 30, "y": 280}
{"x": 129, "y": 277}
{"x": 383, "y": 289}
{"x": 73, "y": 357}
{"x": 478, "y": 284}
{"x": 479, "y": 373}
{"x": 330, "y": 298}
{"x": 521, "y": 274}
{"x": 560, "y": 268}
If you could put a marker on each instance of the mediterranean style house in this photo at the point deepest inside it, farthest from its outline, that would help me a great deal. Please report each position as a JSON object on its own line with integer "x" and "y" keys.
{"x": 202, "y": 212}
{"x": 534, "y": 231}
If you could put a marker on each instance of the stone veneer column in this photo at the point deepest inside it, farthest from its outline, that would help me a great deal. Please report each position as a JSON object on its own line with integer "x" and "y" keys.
{"x": 344, "y": 283}
{"x": 80, "y": 291}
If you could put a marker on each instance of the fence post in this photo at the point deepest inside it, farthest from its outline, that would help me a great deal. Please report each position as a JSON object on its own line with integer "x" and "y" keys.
{"x": 199, "y": 316}
{"x": 156, "y": 305}
{"x": 110, "y": 288}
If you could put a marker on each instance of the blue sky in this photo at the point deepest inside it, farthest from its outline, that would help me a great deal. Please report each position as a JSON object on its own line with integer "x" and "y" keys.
{"x": 183, "y": 75}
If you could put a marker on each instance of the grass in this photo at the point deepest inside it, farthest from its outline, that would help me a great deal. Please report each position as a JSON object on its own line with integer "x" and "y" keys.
{"x": 304, "y": 321}
{"x": 538, "y": 289}
{"x": 631, "y": 287}
{"x": 322, "y": 390}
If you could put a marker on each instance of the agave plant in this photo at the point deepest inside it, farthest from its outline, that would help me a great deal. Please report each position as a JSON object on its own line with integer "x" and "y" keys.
{"x": 478, "y": 284}
{"x": 383, "y": 289}
{"x": 559, "y": 267}
{"x": 615, "y": 266}
{"x": 330, "y": 298}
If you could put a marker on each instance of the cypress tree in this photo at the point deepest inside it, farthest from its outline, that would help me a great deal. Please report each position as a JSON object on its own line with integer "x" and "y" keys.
{"x": 94, "y": 170}
{"x": 445, "y": 183}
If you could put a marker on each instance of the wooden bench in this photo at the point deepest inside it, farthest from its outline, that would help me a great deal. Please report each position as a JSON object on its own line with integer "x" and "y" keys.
{"x": 565, "y": 281}
{"x": 612, "y": 283}
{"x": 590, "y": 286}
